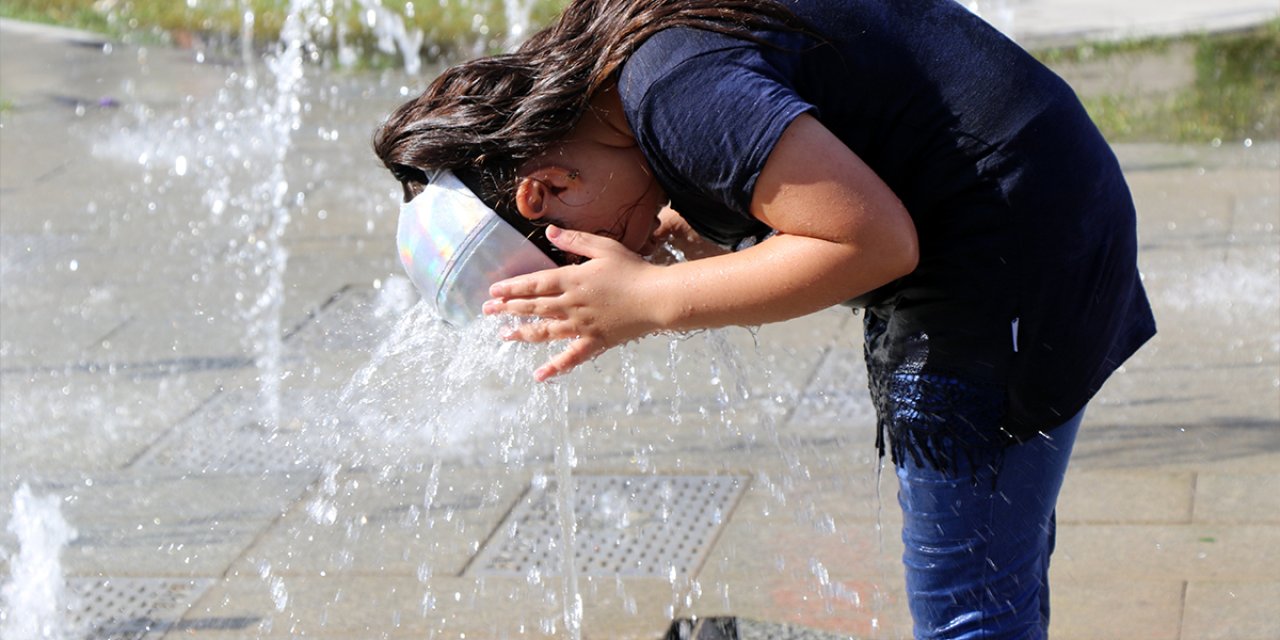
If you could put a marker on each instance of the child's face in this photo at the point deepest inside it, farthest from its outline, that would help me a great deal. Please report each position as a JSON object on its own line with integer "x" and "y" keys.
{"x": 597, "y": 181}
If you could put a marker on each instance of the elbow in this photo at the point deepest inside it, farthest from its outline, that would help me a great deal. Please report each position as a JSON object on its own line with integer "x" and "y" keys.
{"x": 906, "y": 252}
{"x": 909, "y": 257}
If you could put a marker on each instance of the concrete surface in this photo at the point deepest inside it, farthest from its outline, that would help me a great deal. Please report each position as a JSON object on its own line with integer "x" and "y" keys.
{"x": 128, "y": 390}
{"x": 1063, "y": 22}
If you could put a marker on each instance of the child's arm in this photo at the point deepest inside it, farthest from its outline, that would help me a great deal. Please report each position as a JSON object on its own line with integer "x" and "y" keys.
{"x": 841, "y": 233}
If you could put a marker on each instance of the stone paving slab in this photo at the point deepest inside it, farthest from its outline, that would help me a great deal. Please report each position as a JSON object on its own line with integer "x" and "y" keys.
{"x": 436, "y": 520}
{"x": 61, "y": 423}
{"x": 1107, "y": 609}
{"x": 825, "y": 563}
{"x": 1229, "y": 609}
{"x": 1237, "y": 498}
{"x": 442, "y": 607}
{"x": 1167, "y": 552}
{"x": 1129, "y": 497}
{"x": 185, "y": 526}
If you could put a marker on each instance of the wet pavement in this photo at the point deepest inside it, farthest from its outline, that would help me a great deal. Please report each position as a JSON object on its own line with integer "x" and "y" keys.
{"x": 130, "y": 392}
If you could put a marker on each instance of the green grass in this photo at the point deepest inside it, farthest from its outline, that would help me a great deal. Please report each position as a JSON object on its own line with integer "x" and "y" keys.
{"x": 450, "y": 26}
{"x": 1235, "y": 94}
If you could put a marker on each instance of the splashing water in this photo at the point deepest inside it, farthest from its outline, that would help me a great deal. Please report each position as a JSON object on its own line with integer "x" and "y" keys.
{"x": 240, "y": 145}
{"x": 35, "y": 598}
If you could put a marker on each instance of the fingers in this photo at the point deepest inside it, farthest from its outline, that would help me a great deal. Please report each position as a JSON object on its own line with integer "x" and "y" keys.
{"x": 670, "y": 223}
{"x": 547, "y": 308}
{"x": 541, "y": 283}
{"x": 587, "y": 245}
{"x": 578, "y": 352}
{"x": 540, "y": 332}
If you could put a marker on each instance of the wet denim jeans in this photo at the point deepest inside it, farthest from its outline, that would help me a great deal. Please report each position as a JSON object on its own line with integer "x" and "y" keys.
{"x": 978, "y": 538}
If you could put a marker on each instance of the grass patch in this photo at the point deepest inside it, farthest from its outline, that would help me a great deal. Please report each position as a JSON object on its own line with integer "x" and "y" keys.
{"x": 1235, "y": 93}
{"x": 449, "y": 26}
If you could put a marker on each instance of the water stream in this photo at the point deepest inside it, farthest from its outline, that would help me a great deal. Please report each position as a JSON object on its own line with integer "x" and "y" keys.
{"x": 34, "y": 600}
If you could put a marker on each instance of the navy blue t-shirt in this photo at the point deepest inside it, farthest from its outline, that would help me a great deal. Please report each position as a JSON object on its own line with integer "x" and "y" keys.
{"x": 1027, "y": 281}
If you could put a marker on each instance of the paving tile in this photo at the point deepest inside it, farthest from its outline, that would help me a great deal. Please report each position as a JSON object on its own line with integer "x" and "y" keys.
{"x": 1232, "y": 610}
{"x": 397, "y": 606}
{"x": 696, "y": 436}
{"x": 1243, "y": 445}
{"x": 389, "y": 522}
{"x": 1167, "y": 552}
{"x": 355, "y": 318}
{"x": 1182, "y": 419}
{"x": 1126, "y": 497}
{"x": 1115, "y": 609}
{"x": 1237, "y": 498}
{"x": 60, "y": 422}
{"x": 183, "y": 526}
{"x": 28, "y": 343}
{"x": 1214, "y": 306}
{"x": 788, "y": 561}
{"x": 1192, "y": 205}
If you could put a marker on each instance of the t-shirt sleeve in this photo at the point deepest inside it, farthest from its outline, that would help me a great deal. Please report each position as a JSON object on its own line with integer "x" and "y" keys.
{"x": 707, "y": 111}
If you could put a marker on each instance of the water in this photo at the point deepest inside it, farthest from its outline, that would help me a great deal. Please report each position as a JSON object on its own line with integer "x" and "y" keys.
{"x": 34, "y": 597}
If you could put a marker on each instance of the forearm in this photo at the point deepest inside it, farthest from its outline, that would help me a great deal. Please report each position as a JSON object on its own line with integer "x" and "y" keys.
{"x": 785, "y": 277}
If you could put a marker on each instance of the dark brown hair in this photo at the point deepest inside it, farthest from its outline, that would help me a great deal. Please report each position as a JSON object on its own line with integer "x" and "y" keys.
{"x": 484, "y": 118}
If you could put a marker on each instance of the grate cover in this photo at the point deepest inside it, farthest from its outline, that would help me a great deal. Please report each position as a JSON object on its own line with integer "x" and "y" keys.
{"x": 130, "y": 608}
{"x": 637, "y": 526}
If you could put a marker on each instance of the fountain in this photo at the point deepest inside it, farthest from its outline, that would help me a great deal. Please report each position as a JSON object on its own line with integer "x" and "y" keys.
{"x": 34, "y": 597}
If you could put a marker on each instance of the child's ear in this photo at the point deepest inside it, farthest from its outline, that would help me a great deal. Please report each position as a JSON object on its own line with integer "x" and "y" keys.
{"x": 532, "y": 198}
{"x": 538, "y": 192}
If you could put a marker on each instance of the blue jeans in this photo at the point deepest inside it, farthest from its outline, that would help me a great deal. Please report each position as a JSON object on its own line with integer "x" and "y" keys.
{"x": 978, "y": 539}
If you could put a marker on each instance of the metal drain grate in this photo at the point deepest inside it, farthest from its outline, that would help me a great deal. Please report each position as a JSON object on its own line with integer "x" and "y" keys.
{"x": 130, "y": 608}
{"x": 640, "y": 526}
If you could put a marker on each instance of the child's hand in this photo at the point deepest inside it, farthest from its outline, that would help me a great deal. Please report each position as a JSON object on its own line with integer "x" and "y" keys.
{"x": 675, "y": 232}
{"x": 599, "y": 304}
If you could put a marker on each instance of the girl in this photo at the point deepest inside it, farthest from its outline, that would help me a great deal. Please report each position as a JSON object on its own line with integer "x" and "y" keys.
{"x": 899, "y": 157}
